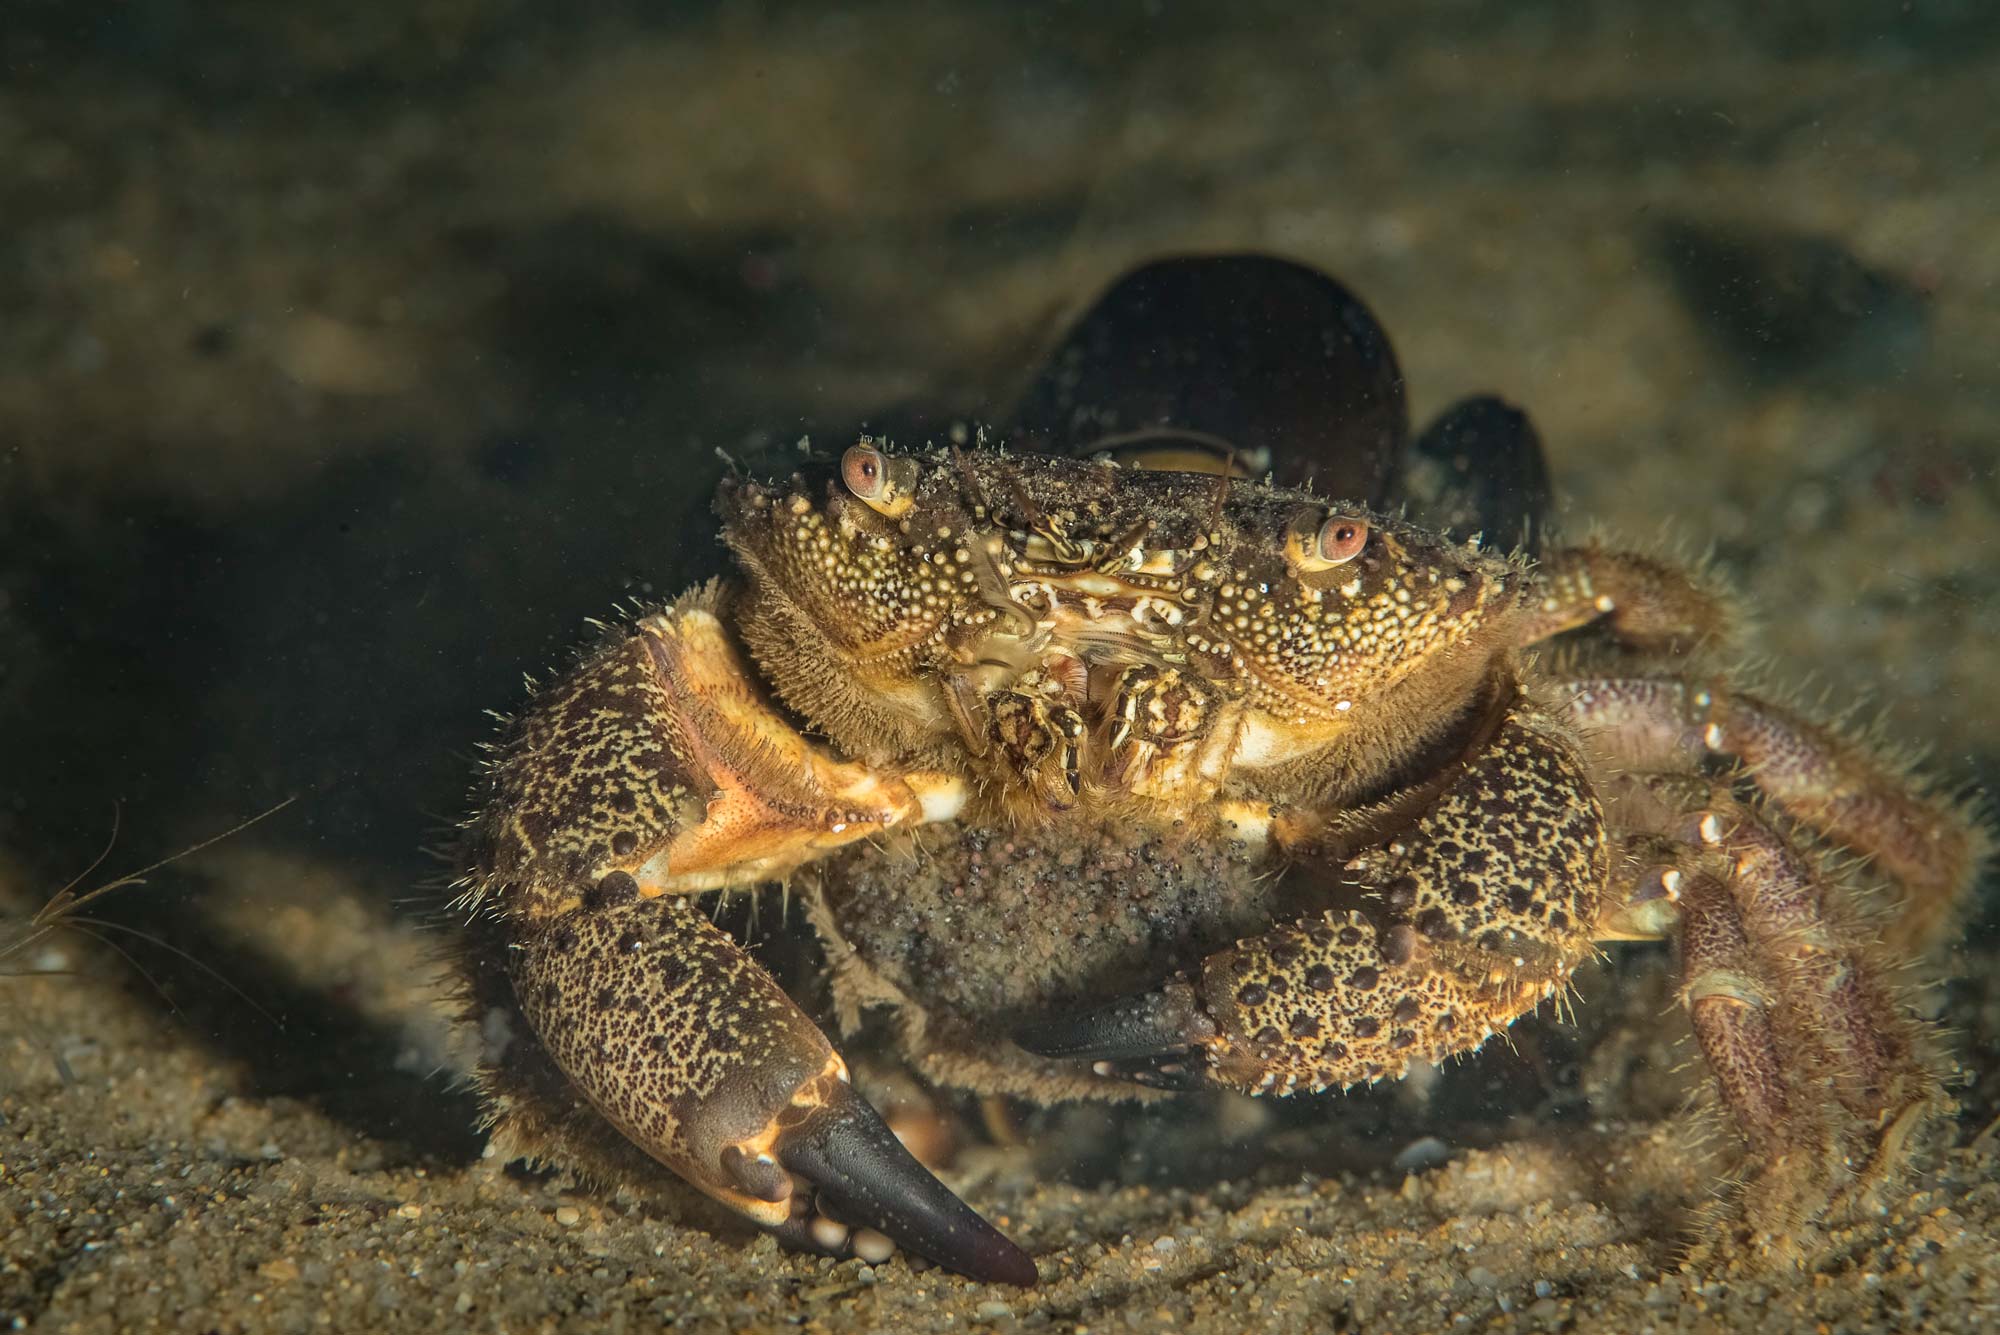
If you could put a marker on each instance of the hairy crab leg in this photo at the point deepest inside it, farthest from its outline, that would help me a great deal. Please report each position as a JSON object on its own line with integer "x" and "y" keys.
{"x": 1862, "y": 1034}
{"x": 1651, "y": 605}
{"x": 1788, "y": 1005}
{"x": 1730, "y": 1011}
{"x": 1929, "y": 844}
{"x": 655, "y": 770}
{"x": 1775, "y": 959}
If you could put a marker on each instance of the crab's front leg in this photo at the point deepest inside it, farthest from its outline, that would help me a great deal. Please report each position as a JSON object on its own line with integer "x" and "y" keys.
{"x": 656, "y": 770}
{"x": 1465, "y": 908}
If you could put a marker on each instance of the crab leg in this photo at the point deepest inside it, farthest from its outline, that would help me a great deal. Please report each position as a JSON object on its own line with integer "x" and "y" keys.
{"x": 1464, "y": 920}
{"x": 1864, "y": 1036}
{"x": 1930, "y": 845}
{"x": 1730, "y": 1012}
{"x": 1776, "y": 959}
{"x": 1650, "y": 605}
{"x": 653, "y": 771}
{"x": 1769, "y": 968}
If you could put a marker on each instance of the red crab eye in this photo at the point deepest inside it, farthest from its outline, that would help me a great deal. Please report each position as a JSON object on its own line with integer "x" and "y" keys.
{"x": 1341, "y": 539}
{"x": 865, "y": 471}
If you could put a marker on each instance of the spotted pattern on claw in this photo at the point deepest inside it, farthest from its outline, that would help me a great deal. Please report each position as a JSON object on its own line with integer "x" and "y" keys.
{"x": 1470, "y": 917}
{"x": 615, "y": 796}
{"x": 1332, "y": 1005}
{"x": 673, "y": 1032}
{"x": 1509, "y": 858}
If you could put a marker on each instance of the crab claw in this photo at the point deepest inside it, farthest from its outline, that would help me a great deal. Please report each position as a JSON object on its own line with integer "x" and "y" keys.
{"x": 1151, "y": 1039}
{"x": 862, "y": 1176}
{"x": 687, "y": 1046}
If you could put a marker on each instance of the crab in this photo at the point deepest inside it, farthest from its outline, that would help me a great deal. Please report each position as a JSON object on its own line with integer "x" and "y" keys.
{"x": 1110, "y": 770}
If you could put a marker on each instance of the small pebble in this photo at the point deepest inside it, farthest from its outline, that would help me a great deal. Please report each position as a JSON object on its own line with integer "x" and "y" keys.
{"x": 827, "y": 1233}
{"x": 872, "y": 1247}
{"x": 1425, "y": 1152}
{"x": 993, "y": 1310}
{"x": 568, "y": 1216}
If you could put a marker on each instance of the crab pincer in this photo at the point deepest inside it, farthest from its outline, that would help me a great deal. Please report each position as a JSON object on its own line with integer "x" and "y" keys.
{"x": 691, "y": 1050}
{"x": 651, "y": 776}
{"x": 1150, "y": 1039}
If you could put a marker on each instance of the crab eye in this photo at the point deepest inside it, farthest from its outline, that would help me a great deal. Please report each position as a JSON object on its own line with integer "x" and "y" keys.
{"x": 1341, "y": 539}
{"x": 886, "y": 484}
{"x": 1316, "y": 541}
{"x": 865, "y": 472}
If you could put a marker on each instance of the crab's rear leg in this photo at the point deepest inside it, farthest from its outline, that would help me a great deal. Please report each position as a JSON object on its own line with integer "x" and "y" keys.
{"x": 1472, "y": 912}
{"x": 1928, "y": 843}
{"x": 1812, "y": 974}
{"x": 1818, "y": 1063}
{"x": 653, "y": 771}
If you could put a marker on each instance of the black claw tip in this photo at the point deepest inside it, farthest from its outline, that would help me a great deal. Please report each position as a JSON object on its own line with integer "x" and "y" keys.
{"x": 1154, "y": 1026}
{"x": 866, "y": 1177}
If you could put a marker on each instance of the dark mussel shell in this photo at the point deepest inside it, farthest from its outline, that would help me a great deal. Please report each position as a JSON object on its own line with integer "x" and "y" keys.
{"x": 1280, "y": 367}
{"x": 1478, "y": 468}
